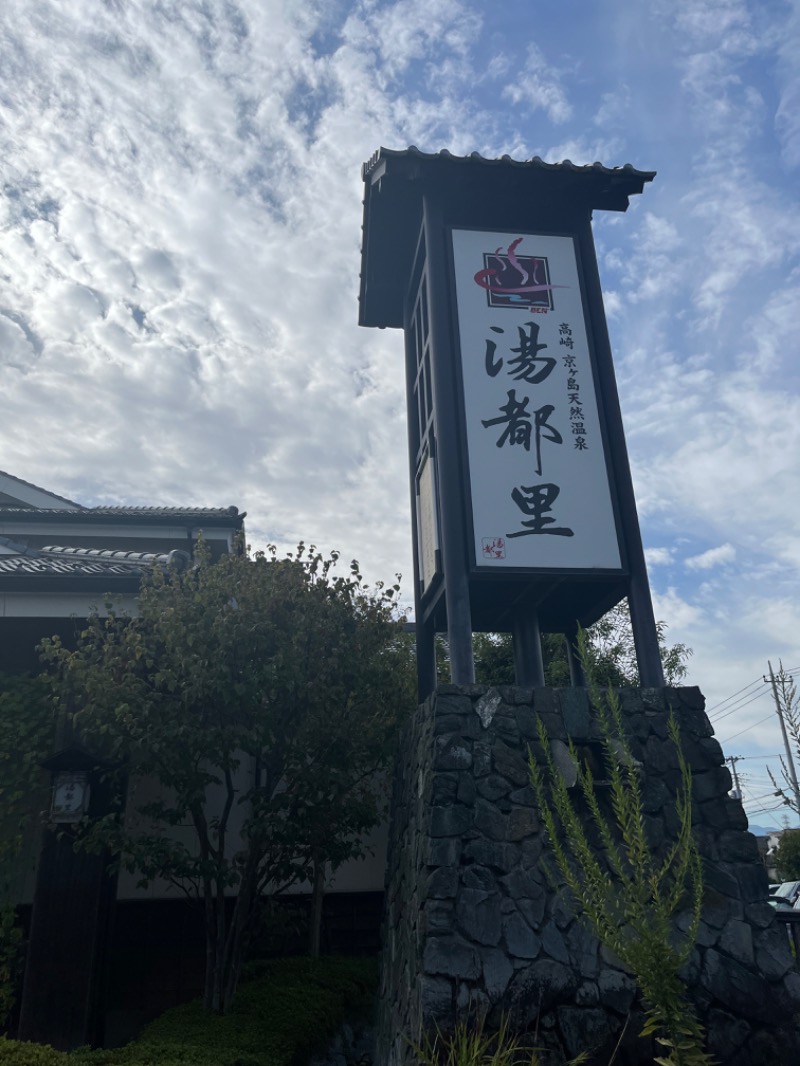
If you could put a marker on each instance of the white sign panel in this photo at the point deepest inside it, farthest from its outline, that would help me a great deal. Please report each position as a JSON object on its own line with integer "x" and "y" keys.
{"x": 426, "y": 519}
{"x": 540, "y": 491}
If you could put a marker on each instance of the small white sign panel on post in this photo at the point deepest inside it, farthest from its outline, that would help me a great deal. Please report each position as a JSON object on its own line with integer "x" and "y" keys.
{"x": 426, "y": 520}
{"x": 540, "y": 491}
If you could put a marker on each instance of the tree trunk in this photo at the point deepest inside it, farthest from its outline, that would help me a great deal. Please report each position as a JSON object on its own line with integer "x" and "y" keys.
{"x": 210, "y": 926}
{"x": 239, "y": 932}
{"x": 219, "y": 1004}
{"x": 317, "y": 899}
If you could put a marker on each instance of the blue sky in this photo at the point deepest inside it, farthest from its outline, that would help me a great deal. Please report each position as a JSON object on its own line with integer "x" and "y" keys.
{"x": 179, "y": 257}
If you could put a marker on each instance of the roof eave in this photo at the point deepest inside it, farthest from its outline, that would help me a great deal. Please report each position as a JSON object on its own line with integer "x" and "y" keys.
{"x": 392, "y": 213}
{"x": 90, "y": 516}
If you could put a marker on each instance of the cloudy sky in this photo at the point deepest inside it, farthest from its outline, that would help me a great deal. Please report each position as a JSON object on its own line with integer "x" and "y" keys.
{"x": 179, "y": 258}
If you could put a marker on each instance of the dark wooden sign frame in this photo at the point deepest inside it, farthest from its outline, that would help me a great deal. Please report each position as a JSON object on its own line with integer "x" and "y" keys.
{"x": 412, "y": 204}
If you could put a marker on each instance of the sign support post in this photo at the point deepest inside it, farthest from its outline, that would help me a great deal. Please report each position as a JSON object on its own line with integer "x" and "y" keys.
{"x": 527, "y": 640}
{"x": 445, "y": 403}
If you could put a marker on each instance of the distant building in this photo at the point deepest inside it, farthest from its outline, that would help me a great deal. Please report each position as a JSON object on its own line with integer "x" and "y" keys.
{"x": 60, "y": 559}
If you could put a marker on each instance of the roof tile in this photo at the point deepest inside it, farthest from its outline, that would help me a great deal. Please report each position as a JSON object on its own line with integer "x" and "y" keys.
{"x": 536, "y": 162}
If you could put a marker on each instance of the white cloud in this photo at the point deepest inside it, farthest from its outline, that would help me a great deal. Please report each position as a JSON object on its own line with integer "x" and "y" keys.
{"x": 677, "y": 611}
{"x": 723, "y": 24}
{"x": 787, "y": 115}
{"x": 537, "y": 87}
{"x": 614, "y": 108}
{"x": 658, "y": 556}
{"x": 411, "y": 30}
{"x": 579, "y": 150}
{"x": 724, "y": 553}
{"x": 612, "y": 302}
{"x": 18, "y": 346}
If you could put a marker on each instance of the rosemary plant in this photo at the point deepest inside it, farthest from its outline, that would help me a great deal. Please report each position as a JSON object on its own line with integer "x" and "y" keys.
{"x": 629, "y": 895}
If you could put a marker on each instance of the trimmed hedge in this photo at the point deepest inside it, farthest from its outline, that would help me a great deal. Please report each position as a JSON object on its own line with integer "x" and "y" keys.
{"x": 285, "y": 1011}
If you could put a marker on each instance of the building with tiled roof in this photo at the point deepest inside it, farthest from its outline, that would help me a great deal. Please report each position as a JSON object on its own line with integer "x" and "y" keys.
{"x": 60, "y": 559}
{"x": 14, "y": 492}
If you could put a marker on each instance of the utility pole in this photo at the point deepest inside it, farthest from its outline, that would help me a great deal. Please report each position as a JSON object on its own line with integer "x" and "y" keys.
{"x": 733, "y": 759}
{"x": 789, "y": 760}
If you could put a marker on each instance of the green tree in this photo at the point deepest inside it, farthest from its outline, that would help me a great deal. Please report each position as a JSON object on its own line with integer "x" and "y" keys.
{"x": 262, "y": 695}
{"x": 787, "y": 855}
{"x": 610, "y": 649}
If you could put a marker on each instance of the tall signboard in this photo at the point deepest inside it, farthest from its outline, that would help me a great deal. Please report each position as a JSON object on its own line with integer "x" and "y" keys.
{"x": 539, "y": 487}
{"x": 523, "y": 512}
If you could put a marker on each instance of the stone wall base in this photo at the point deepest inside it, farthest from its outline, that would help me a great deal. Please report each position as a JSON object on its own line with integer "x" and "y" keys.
{"x": 473, "y": 926}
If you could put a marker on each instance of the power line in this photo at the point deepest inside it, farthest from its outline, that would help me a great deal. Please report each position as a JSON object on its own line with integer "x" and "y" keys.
{"x": 747, "y": 730}
{"x": 765, "y": 788}
{"x": 769, "y": 811}
{"x": 778, "y": 755}
{"x": 766, "y": 796}
{"x": 728, "y": 698}
{"x": 788, "y": 674}
{"x": 739, "y": 706}
{"x": 743, "y": 701}
{"x": 751, "y": 802}
{"x": 758, "y": 681}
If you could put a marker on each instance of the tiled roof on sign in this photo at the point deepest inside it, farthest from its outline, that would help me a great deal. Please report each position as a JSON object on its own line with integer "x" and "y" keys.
{"x": 469, "y": 192}
{"x": 535, "y": 162}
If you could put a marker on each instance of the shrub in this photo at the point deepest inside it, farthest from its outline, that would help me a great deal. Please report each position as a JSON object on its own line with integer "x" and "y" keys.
{"x": 285, "y": 1010}
{"x": 469, "y": 1044}
{"x": 10, "y": 959}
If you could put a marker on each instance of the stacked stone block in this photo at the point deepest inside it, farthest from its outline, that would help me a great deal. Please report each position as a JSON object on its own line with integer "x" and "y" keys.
{"x": 474, "y": 927}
